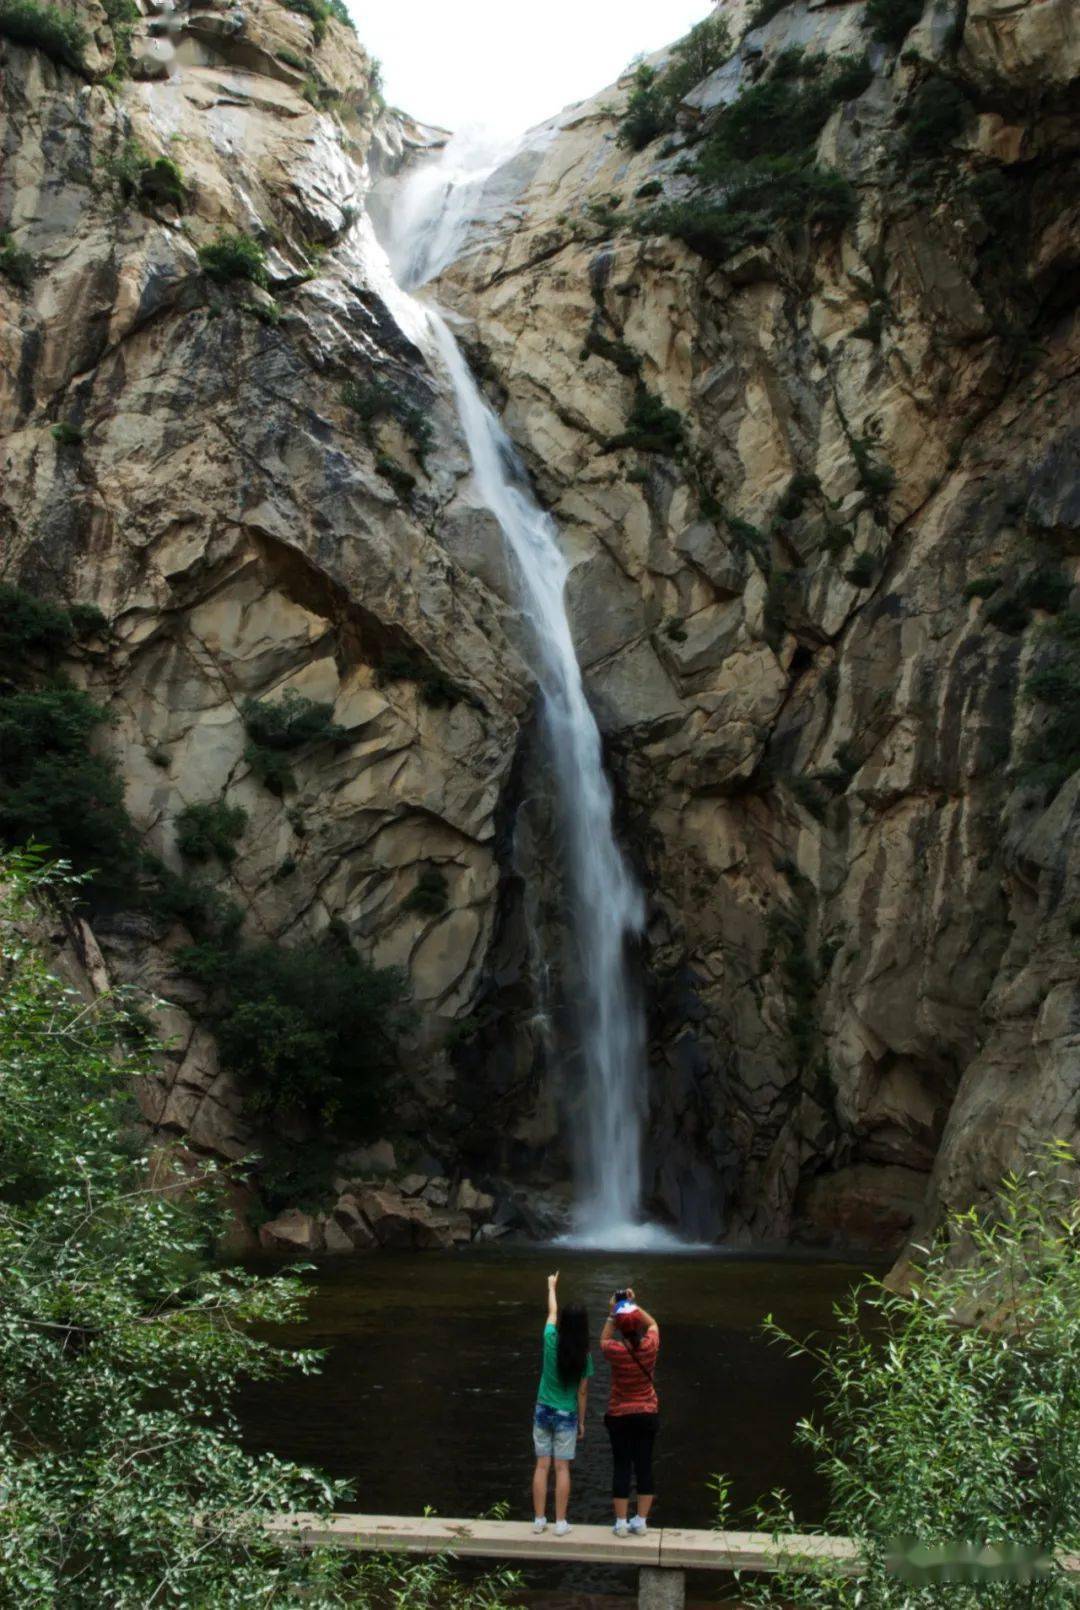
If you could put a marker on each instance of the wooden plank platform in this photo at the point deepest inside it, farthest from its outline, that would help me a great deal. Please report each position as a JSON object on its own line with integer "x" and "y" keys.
{"x": 668, "y": 1547}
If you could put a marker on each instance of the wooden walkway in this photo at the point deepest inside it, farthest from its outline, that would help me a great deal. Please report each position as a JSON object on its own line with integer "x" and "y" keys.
{"x": 663, "y": 1555}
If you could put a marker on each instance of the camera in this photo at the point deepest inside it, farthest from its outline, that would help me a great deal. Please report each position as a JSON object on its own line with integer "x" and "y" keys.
{"x": 621, "y": 1296}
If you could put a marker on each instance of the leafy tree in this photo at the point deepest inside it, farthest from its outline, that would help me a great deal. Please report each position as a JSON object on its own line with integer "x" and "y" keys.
{"x": 54, "y": 789}
{"x": 952, "y": 1411}
{"x": 210, "y": 829}
{"x": 654, "y": 100}
{"x": 309, "y": 1028}
{"x": 124, "y": 1483}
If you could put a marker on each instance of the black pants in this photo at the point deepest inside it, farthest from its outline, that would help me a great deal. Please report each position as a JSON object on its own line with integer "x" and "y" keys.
{"x": 632, "y": 1437}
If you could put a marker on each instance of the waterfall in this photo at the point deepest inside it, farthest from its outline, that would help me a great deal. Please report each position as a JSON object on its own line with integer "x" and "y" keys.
{"x": 605, "y": 906}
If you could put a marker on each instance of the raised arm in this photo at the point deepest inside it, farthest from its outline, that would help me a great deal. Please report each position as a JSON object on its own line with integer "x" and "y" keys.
{"x": 553, "y": 1302}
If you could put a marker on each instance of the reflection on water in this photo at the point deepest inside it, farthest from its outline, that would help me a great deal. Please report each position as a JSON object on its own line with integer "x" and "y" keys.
{"x": 426, "y": 1393}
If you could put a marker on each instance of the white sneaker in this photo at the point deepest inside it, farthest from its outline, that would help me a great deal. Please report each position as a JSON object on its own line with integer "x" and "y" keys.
{"x": 540, "y": 1523}
{"x": 561, "y": 1528}
{"x": 639, "y": 1526}
{"x": 621, "y": 1528}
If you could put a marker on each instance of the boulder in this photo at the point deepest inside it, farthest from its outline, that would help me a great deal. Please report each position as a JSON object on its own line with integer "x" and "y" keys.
{"x": 412, "y": 1184}
{"x": 442, "y": 1230}
{"x": 292, "y": 1231}
{"x": 350, "y": 1220}
{"x": 336, "y": 1239}
{"x": 437, "y": 1192}
{"x": 392, "y": 1217}
{"x": 478, "y": 1204}
{"x": 376, "y": 1159}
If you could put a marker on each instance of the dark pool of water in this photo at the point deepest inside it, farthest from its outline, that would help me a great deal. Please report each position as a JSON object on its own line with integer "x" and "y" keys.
{"x": 426, "y": 1394}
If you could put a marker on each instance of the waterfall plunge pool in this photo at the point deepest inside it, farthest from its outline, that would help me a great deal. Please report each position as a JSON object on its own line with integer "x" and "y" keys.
{"x": 426, "y": 1392}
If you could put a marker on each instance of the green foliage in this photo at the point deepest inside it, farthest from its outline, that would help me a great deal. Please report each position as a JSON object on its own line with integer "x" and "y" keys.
{"x": 30, "y": 625}
{"x": 781, "y": 115}
{"x": 937, "y": 114}
{"x": 769, "y": 197}
{"x": 55, "y": 791}
{"x": 982, "y": 586}
{"x": 862, "y": 570}
{"x": 276, "y": 729}
{"x": 675, "y": 631}
{"x": 652, "y": 427}
{"x": 234, "y": 257}
{"x": 374, "y": 399}
{"x": 799, "y": 488}
{"x": 430, "y": 893}
{"x": 289, "y": 721}
{"x": 877, "y": 480}
{"x": 951, "y": 1412}
{"x": 654, "y": 100}
{"x": 1053, "y": 752}
{"x": 210, "y": 829}
{"x": 890, "y": 21}
{"x": 291, "y": 59}
{"x": 309, "y": 1029}
{"x": 1009, "y": 614}
{"x": 67, "y": 434}
{"x": 787, "y": 935}
{"x": 55, "y": 33}
{"x": 625, "y": 359}
{"x": 15, "y": 265}
{"x": 765, "y": 11}
{"x": 399, "y": 477}
{"x": 205, "y": 912}
{"x": 435, "y": 687}
{"x": 122, "y": 15}
{"x": 123, "y": 1342}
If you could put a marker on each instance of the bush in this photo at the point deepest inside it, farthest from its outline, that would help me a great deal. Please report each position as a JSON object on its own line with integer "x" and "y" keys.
{"x": 937, "y": 113}
{"x": 375, "y": 399}
{"x": 55, "y": 791}
{"x": 773, "y": 196}
{"x": 310, "y": 1029}
{"x": 30, "y": 625}
{"x": 210, "y": 829}
{"x": 951, "y": 1412}
{"x": 654, "y": 100}
{"x": 799, "y": 488}
{"x": 430, "y": 894}
{"x": 982, "y": 586}
{"x": 779, "y": 117}
{"x": 625, "y": 359}
{"x": 15, "y": 265}
{"x": 862, "y": 570}
{"x": 435, "y": 687}
{"x": 55, "y": 33}
{"x": 403, "y": 483}
{"x": 205, "y": 912}
{"x": 274, "y": 730}
{"x": 234, "y": 257}
{"x": 652, "y": 427}
{"x": 289, "y": 722}
{"x": 67, "y": 434}
{"x": 890, "y": 21}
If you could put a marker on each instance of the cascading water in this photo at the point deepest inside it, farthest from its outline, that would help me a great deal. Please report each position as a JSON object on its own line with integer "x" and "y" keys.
{"x": 606, "y": 909}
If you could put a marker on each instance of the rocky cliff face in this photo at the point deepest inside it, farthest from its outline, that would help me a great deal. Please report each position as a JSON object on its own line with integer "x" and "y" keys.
{"x": 808, "y": 609}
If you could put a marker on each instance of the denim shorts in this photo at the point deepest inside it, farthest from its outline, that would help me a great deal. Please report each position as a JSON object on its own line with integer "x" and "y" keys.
{"x": 554, "y": 1433}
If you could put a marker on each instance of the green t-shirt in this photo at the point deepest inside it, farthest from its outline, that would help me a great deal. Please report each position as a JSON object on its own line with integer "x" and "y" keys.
{"x": 552, "y": 1391}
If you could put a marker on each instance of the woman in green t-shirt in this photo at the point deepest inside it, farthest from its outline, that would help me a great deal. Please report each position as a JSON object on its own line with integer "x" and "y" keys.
{"x": 559, "y": 1418}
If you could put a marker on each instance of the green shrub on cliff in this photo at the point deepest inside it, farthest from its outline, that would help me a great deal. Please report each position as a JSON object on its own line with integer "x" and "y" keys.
{"x": 16, "y": 265}
{"x": 771, "y": 197}
{"x": 210, "y": 829}
{"x": 654, "y": 100}
{"x": 55, "y": 33}
{"x": 936, "y": 115}
{"x": 890, "y": 21}
{"x": 234, "y": 257}
{"x": 309, "y": 1030}
{"x": 276, "y": 728}
{"x": 951, "y": 1413}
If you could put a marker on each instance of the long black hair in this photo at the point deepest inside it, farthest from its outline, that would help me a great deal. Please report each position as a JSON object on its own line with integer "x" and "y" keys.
{"x": 573, "y": 1344}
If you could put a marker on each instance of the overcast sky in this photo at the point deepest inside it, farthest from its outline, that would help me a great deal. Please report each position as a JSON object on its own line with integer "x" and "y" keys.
{"x": 505, "y": 64}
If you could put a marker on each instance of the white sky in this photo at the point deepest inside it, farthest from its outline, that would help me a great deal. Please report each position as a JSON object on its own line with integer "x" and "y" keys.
{"x": 507, "y": 65}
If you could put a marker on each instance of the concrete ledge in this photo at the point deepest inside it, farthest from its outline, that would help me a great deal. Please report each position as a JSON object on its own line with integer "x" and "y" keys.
{"x": 504, "y": 1540}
